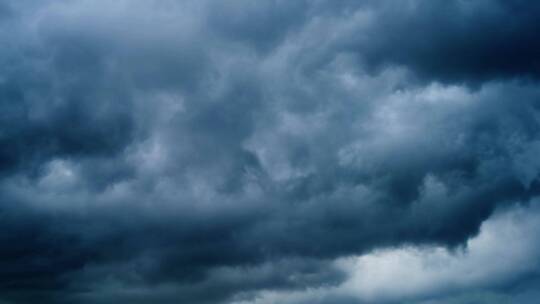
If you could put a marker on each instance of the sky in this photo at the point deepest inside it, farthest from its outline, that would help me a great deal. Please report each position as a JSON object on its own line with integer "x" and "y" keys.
{"x": 272, "y": 151}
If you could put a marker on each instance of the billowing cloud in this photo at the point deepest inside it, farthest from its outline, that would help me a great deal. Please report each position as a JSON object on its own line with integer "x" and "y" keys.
{"x": 203, "y": 152}
{"x": 491, "y": 267}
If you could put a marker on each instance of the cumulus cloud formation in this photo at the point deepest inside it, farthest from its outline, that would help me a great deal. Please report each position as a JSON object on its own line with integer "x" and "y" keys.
{"x": 437, "y": 275}
{"x": 277, "y": 151}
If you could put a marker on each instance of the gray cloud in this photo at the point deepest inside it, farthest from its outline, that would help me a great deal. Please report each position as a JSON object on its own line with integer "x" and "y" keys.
{"x": 204, "y": 152}
{"x": 486, "y": 270}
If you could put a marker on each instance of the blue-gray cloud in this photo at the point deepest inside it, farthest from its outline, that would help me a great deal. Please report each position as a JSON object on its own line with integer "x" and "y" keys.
{"x": 202, "y": 152}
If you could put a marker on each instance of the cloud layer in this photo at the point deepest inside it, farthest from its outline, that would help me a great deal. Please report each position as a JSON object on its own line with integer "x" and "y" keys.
{"x": 488, "y": 270}
{"x": 205, "y": 152}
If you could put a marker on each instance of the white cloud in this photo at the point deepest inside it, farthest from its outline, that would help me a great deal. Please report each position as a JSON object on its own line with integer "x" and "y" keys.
{"x": 505, "y": 250}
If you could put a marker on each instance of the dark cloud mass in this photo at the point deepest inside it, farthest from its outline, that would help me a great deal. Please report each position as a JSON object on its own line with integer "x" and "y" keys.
{"x": 214, "y": 152}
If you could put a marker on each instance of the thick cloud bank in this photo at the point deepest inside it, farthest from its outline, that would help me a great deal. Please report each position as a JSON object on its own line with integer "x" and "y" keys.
{"x": 269, "y": 151}
{"x": 488, "y": 271}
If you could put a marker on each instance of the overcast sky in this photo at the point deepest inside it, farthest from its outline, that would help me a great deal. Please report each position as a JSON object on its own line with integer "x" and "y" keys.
{"x": 272, "y": 151}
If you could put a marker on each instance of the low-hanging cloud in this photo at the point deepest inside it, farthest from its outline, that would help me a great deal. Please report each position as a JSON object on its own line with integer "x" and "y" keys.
{"x": 202, "y": 152}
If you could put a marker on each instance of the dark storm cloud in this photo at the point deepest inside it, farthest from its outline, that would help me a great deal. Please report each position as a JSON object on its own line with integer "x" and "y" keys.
{"x": 454, "y": 41}
{"x": 202, "y": 152}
